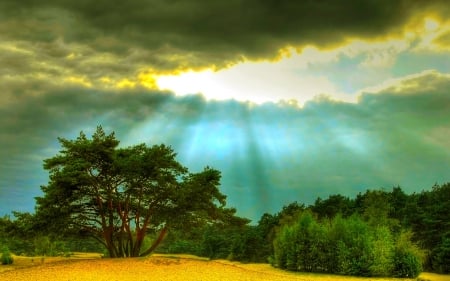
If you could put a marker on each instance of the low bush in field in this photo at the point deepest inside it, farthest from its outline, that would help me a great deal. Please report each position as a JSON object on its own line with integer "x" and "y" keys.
{"x": 345, "y": 246}
{"x": 407, "y": 257}
{"x": 6, "y": 257}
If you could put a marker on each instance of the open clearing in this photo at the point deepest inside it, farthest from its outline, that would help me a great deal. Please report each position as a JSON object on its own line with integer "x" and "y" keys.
{"x": 159, "y": 267}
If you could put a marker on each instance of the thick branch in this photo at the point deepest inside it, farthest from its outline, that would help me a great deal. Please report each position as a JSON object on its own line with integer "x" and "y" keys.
{"x": 155, "y": 244}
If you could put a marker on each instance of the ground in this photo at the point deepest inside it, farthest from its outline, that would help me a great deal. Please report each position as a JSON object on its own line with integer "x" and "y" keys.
{"x": 159, "y": 267}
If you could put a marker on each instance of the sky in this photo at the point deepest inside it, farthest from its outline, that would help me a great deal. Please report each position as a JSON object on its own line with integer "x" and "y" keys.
{"x": 290, "y": 100}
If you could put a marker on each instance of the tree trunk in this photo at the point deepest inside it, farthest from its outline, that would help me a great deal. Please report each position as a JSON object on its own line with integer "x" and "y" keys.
{"x": 140, "y": 234}
{"x": 109, "y": 241}
{"x": 158, "y": 240}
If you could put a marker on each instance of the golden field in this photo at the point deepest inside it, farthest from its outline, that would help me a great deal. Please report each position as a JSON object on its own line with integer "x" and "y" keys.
{"x": 160, "y": 267}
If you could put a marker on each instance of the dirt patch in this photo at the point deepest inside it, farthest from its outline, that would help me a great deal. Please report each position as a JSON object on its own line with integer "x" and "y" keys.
{"x": 164, "y": 268}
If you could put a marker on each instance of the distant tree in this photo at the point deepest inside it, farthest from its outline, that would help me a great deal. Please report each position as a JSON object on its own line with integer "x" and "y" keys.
{"x": 428, "y": 216}
{"x": 119, "y": 195}
{"x": 440, "y": 256}
{"x": 17, "y": 233}
{"x": 289, "y": 213}
{"x": 224, "y": 239}
{"x": 398, "y": 200}
{"x": 432, "y": 215}
{"x": 376, "y": 208}
{"x": 333, "y": 205}
{"x": 266, "y": 228}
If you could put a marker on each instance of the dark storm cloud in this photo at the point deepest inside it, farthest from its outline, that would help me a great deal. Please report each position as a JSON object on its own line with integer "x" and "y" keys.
{"x": 269, "y": 154}
{"x": 201, "y": 33}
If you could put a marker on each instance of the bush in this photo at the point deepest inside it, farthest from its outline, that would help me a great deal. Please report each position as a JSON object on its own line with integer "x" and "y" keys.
{"x": 407, "y": 265}
{"x": 248, "y": 246}
{"x": 383, "y": 252}
{"x": 353, "y": 252}
{"x": 282, "y": 243}
{"x": 44, "y": 246}
{"x": 407, "y": 258}
{"x": 347, "y": 246}
{"x": 6, "y": 257}
{"x": 183, "y": 246}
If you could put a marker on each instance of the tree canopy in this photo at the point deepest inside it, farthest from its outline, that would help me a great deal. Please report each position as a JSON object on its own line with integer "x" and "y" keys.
{"x": 119, "y": 195}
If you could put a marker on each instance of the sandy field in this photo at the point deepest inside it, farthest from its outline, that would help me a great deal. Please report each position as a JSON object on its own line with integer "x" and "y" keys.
{"x": 164, "y": 268}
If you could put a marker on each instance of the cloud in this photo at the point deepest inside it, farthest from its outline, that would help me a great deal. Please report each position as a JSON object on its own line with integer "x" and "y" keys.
{"x": 194, "y": 34}
{"x": 258, "y": 50}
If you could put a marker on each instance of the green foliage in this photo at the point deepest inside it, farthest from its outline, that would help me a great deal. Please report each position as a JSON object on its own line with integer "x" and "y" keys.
{"x": 249, "y": 246}
{"x": 266, "y": 229}
{"x": 429, "y": 219}
{"x": 407, "y": 257}
{"x": 425, "y": 213}
{"x": 6, "y": 257}
{"x": 348, "y": 246}
{"x": 441, "y": 256}
{"x": 44, "y": 246}
{"x": 383, "y": 252}
{"x": 118, "y": 195}
{"x": 316, "y": 247}
{"x": 354, "y": 244}
{"x": 376, "y": 208}
{"x": 332, "y": 206}
{"x": 184, "y": 246}
{"x": 301, "y": 246}
{"x": 283, "y": 247}
{"x": 217, "y": 242}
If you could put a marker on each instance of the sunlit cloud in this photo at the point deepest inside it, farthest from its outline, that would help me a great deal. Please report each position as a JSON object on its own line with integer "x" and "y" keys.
{"x": 430, "y": 35}
{"x": 293, "y": 76}
{"x": 253, "y": 82}
{"x": 409, "y": 84}
{"x": 296, "y": 74}
{"x": 79, "y": 80}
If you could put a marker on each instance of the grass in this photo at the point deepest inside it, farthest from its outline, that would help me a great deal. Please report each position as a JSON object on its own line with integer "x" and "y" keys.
{"x": 161, "y": 267}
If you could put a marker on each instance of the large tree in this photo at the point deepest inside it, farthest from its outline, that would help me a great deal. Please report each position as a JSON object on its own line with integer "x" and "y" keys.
{"x": 119, "y": 195}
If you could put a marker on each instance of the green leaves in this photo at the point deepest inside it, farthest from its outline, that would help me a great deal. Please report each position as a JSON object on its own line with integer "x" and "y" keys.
{"x": 348, "y": 246}
{"x": 6, "y": 257}
{"x": 120, "y": 194}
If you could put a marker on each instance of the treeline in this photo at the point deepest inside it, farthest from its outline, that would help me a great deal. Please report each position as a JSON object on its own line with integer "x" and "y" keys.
{"x": 24, "y": 235}
{"x": 338, "y": 234}
{"x": 376, "y": 233}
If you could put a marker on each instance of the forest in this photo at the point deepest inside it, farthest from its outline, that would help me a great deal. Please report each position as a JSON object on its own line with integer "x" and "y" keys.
{"x": 127, "y": 202}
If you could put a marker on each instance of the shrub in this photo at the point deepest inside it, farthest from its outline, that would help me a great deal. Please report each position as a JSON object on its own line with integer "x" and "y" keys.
{"x": 6, "y": 257}
{"x": 383, "y": 252}
{"x": 347, "y": 246}
{"x": 42, "y": 246}
{"x": 183, "y": 246}
{"x": 407, "y": 257}
{"x": 407, "y": 265}
{"x": 248, "y": 246}
{"x": 282, "y": 243}
{"x": 353, "y": 253}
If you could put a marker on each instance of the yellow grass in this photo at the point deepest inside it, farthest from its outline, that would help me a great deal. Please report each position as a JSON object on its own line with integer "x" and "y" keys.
{"x": 160, "y": 267}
